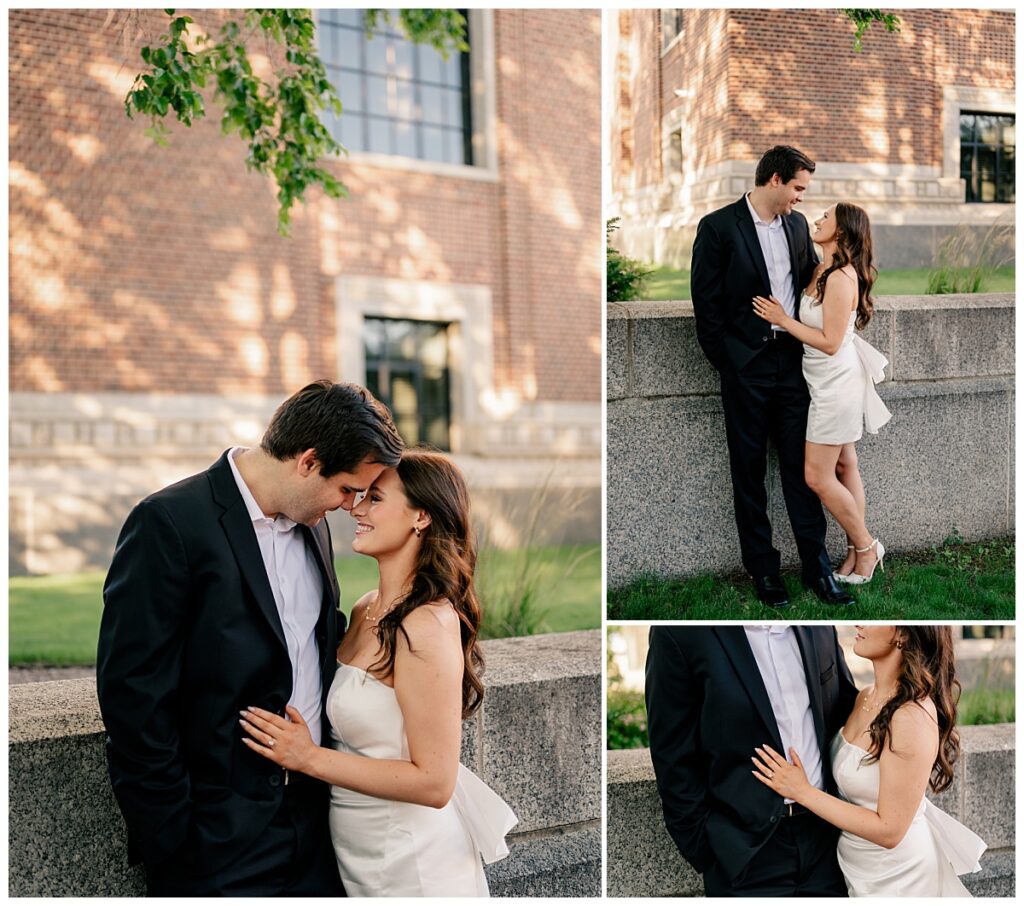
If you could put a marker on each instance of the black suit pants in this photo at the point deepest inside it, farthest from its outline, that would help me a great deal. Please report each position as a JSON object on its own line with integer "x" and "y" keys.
{"x": 799, "y": 860}
{"x": 292, "y": 857}
{"x": 769, "y": 399}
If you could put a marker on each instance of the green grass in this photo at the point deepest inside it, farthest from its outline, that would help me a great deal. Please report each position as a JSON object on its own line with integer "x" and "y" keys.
{"x": 986, "y": 706}
{"x": 954, "y": 581}
{"x": 669, "y": 283}
{"x": 55, "y": 619}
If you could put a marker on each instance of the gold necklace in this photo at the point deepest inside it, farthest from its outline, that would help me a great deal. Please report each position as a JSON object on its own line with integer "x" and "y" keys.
{"x": 870, "y": 701}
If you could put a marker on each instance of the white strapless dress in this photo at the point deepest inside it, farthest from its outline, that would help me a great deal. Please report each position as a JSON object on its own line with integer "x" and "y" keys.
{"x": 925, "y": 863}
{"x": 392, "y": 849}
{"x": 843, "y": 397}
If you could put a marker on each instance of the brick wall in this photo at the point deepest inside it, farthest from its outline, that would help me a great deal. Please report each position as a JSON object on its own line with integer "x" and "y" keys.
{"x": 135, "y": 268}
{"x": 761, "y": 77}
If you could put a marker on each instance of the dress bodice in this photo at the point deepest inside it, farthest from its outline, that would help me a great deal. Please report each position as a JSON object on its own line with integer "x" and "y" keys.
{"x": 390, "y": 848}
{"x": 812, "y": 314}
{"x": 934, "y": 850}
{"x": 365, "y": 716}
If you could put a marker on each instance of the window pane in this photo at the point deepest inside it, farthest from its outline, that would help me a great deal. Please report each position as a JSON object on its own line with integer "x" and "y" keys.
{"x": 377, "y": 55}
{"x": 453, "y": 108}
{"x": 351, "y": 127}
{"x": 350, "y": 91}
{"x": 405, "y": 405}
{"x": 434, "y": 144}
{"x": 431, "y": 64}
{"x": 404, "y": 59}
{"x": 432, "y": 104}
{"x": 1009, "y": 131}
{"x": 380, "y": 137}
{"x": 988, "y": 130}
{"x": 967, "y": 127}
{"x": 353, "y": 17}
{"x": 405, "y": 139}
{"x": 377, "y": 95}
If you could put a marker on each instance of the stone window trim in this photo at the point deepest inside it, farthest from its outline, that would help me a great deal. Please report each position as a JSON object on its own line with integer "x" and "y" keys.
{"x": 957, "y": 99}
{"x": 483, "y": 80}
{"x": 467, "y": 308}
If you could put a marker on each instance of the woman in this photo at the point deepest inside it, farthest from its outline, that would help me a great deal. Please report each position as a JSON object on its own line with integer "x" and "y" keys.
{"x": 841, "y": 370}
{"x": 406, "y": 818}
{"x": 900, "y": 739}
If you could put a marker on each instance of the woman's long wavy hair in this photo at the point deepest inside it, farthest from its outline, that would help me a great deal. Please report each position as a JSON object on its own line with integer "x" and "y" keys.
{"x": 444, "y": 567}
{"x": 927, "y": 670}
{"x": 853, "y": 246}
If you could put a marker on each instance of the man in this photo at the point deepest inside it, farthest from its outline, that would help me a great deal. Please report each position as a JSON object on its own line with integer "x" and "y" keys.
{"x": 758, "y": 246}
{"x": 713, "y": 694}
{"x": 222, "y": 594}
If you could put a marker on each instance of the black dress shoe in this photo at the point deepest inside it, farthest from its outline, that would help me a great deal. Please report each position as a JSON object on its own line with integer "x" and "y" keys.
{"x": 829, "y": 590}
{"x": 771, "y": 591}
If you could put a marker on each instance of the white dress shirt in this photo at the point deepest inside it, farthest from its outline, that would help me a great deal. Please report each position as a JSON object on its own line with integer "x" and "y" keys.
{"x": 778, "y": 658}
{"x": 775, "y": 248}
{"x": 298, "y": 592}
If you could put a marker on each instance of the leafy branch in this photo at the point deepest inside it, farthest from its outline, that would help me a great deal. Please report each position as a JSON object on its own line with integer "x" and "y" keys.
{"x": 280, "y": 120}
{"x": 864, "y": 18}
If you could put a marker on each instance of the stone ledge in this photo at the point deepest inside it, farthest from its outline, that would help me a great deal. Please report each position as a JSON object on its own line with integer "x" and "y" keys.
{"x": 653, "y": 349}
{"x": 537, "y": 741}
{"x": 643, "y": 861}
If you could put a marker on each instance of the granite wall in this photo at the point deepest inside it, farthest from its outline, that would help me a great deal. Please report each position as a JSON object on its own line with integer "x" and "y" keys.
{"x": 943, "y": 464}
{"x": 536, "y": 741}
{"x": 644, "y": 862}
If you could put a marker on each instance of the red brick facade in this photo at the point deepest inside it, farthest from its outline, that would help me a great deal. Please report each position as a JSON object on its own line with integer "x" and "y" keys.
{"x": 135, "y": 268}
{"x": 761, "y": 77}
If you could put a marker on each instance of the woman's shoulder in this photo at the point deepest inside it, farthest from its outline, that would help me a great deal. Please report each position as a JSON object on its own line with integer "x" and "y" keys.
{"x": 435, "y": 618}
{"x": 916, "y": 717}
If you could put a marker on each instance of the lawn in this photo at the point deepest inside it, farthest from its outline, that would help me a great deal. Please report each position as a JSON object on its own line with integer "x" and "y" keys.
{"x": 953, "y": 581}
{"x": 55, "y": 619}
{"x": 669, "y": 283}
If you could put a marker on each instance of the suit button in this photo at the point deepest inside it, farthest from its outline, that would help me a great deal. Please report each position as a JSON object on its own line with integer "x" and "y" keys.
{"x": 774, "y": 819}
{"x": 275, "y": 780}
{"x": 764, "y": 339}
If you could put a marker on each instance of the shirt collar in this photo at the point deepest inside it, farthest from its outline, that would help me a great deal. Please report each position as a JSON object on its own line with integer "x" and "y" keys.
{"x": 281, "y": 523}
{"x": 773, "y": 224}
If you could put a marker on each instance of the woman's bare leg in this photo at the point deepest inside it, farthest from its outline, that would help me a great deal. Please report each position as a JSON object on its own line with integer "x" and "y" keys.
{"x": 820, "y": 465}
{"x": 848, "y": 473}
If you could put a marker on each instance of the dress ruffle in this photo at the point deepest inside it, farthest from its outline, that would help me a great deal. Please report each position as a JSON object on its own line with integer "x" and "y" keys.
{"x": 485, "y": 814}
{"x": 958, "y": 843}
{"x": 875, "y": 412}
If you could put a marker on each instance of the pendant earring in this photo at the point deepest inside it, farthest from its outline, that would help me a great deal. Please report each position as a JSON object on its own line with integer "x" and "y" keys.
{"x": 416, "y": 529}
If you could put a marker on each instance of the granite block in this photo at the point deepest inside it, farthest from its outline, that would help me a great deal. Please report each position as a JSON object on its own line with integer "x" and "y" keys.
{"x": 540, "y": 734}
{"x": 939, "y": 337}
{"x": 559, "y": 864}
{"x": 618, "y": 352}
{"x": 667, "y": 359}
{"x": 642, "y": 858}
{"x": 997, "y": 877}
{"x": 989, "y": 805}
{"x": 669, "y": 491}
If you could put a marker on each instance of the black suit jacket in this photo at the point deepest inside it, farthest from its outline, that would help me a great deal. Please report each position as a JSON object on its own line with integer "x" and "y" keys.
{"x": 728, "y": 270}
{"x": 707, "y": 708}
{"x": 190, "y": 636}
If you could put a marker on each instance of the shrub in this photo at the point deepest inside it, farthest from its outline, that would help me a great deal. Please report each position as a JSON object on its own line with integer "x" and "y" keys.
{"x": 625, "y": 275}
{"x": 965, "y": 261}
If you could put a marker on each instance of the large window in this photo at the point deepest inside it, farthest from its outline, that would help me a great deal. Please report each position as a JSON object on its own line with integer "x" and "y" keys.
{"x": 407, "y": 368}
{"x": 399, "y": 98}
{"x": 987, "y": 146}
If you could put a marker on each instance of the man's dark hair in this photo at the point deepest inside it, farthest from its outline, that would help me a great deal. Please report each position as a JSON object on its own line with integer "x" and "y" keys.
{"x": 343, "y": 423}
{"x": 784, "y": 160}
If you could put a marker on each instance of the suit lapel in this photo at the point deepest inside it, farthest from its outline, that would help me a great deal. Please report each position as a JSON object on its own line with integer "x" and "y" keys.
{"x": 798, "y": 291}
{"x": 812, "y": 671}
{"x": 749, "y": 233}
{"x": 734, "y": 640}
{"x": 242, "y": 538}
{"x": 318, "y": 540}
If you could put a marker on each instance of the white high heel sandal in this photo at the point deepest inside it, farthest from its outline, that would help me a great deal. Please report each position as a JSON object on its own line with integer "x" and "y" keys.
{"x": 842, "y": 577}
{"x": 857, "y": 578}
